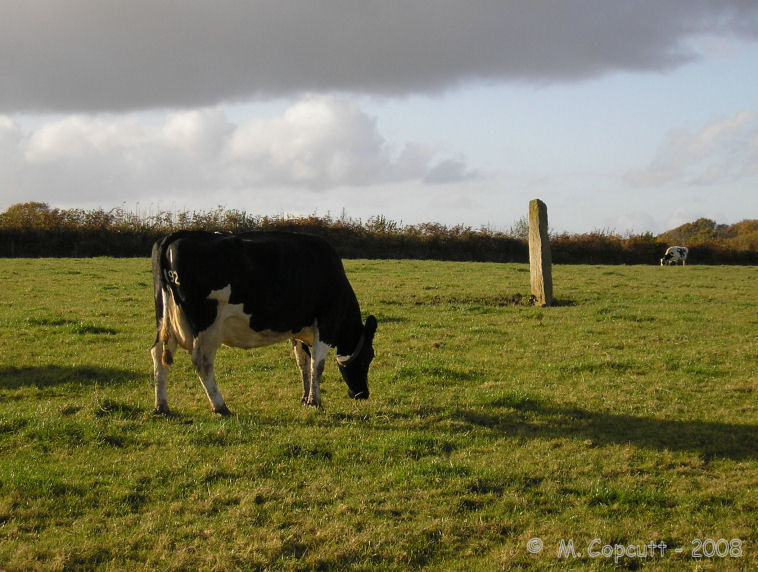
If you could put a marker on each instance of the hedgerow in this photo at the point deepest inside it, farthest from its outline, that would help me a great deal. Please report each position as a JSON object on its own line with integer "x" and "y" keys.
{"x": 35, "y": 229}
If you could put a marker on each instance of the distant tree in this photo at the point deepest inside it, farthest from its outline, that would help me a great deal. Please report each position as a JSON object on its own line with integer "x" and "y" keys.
{"x": 744, "y": 235}
{"x": 28, "y": 215}
{"x": 747, "y": 226}
{"x": 701, "y": 231}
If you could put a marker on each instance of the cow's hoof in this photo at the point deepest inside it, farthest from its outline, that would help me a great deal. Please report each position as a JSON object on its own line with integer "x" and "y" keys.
{"x": 223, "y": 411}
{"x": 312, "y": 403}
{"x": 161, "y": 409}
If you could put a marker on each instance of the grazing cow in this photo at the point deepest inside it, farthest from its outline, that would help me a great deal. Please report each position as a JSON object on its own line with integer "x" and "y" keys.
{"x": 251, "y": 290}
{"x": 674, "y": 254}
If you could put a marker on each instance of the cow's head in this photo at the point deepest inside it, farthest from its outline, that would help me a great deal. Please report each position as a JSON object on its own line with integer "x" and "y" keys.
{"x": 354, "y": 369}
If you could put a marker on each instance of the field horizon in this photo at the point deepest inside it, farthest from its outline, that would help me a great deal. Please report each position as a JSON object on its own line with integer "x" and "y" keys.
{"x": 498, "y": 435}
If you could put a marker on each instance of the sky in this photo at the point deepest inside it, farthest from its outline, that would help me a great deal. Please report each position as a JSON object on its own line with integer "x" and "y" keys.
{"x": 628, "y": 116}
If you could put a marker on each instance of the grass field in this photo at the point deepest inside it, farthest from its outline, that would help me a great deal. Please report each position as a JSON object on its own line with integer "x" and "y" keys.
{"x": 628, "y": 414}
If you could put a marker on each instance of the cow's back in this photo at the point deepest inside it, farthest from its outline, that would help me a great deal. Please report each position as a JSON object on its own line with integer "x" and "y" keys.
{"x": 289, "y": 280}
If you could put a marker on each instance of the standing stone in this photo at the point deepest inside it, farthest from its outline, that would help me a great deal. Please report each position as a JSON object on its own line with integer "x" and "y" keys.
{"x": 540, "y": 259}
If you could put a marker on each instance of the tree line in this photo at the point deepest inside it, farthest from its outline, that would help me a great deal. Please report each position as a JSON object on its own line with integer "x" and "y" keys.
{"x": 35, "y": 229}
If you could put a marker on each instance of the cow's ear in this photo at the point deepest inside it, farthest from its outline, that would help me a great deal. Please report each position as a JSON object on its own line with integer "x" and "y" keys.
{"x": 370, "y": 327}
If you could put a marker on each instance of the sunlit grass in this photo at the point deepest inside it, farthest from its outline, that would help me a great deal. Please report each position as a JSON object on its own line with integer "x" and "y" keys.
{"x": 626, "y": 413}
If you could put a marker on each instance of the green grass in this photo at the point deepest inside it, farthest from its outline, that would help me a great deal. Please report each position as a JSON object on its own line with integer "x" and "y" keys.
{"x": 627, "y": 413}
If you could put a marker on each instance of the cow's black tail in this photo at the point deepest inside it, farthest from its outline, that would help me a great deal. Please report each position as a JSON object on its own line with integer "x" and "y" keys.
{"x": 163, "y": 288}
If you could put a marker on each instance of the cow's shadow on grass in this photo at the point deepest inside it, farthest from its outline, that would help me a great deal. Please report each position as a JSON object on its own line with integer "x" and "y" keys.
{"x": 537, "y": 418}
{"x": 52, "y": 375}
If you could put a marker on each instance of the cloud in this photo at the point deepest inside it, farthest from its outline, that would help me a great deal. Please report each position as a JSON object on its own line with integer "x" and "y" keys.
{"x": 79, "y": 56}
{"x": 319, "y": 142}
{"x": 450, "y": 171}
{"x": 725, "y": 150}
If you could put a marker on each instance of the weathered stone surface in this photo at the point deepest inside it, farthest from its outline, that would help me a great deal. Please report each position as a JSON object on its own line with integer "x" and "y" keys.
{"x": 540, "y": 259}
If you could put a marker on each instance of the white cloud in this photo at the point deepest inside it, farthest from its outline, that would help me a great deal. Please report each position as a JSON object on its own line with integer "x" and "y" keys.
{"x": 318, "y": 143}
{"x": 449, "y": 171}
{"x": 200, "y": 133}
{"x": 10, "y": 132}
{"x": 725, "y": 150}
{"x": 82, "y": 138}
{"x": 324, "y": 142}
{"x": 86, "y": 55}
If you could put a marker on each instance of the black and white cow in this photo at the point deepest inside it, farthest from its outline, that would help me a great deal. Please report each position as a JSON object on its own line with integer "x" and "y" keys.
{"x": 674, "y": 254}
{"x": 252, "y": 290}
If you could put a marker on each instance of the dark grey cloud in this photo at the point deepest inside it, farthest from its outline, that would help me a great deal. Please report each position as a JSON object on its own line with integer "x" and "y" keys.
{"x": 91, "y": 55}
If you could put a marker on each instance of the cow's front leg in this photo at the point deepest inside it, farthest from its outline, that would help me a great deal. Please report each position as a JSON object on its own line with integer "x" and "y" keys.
{"x": 203, "y": 356}
{"x": 318, "y": 359}
{"x": 303, "y": 359}
{"x": 160, "y": 374}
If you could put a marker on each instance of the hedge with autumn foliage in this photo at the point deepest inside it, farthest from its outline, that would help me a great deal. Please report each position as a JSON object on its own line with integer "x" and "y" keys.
{"x": 35, "y": 229}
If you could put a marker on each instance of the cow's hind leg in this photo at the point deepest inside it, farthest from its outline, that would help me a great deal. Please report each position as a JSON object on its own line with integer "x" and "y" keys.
{"x": 203, "y": 358}
{"x": 303, "y": 359}
{"x": 160, "y": 373}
